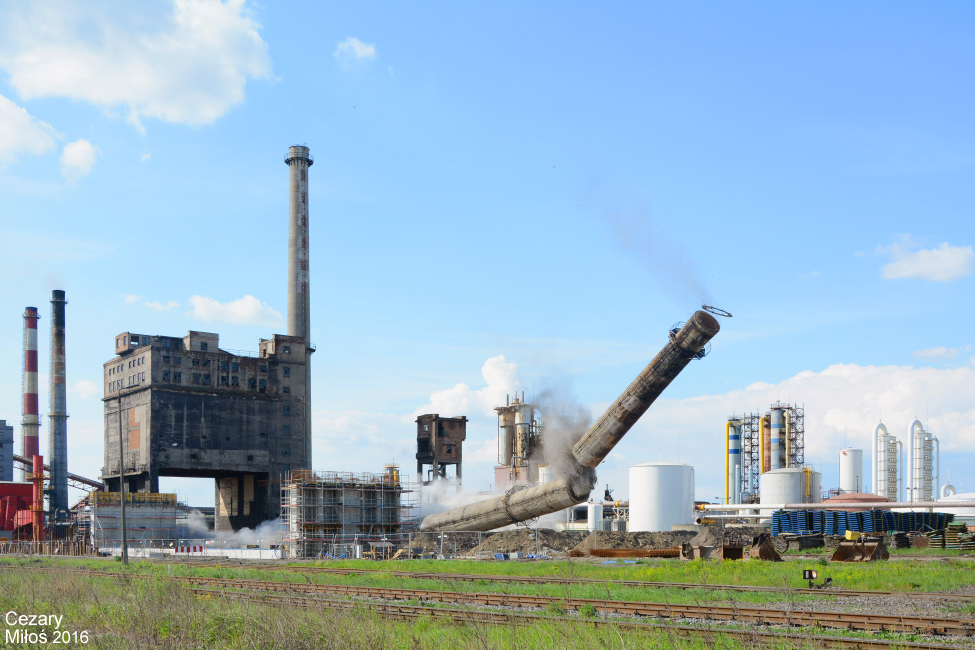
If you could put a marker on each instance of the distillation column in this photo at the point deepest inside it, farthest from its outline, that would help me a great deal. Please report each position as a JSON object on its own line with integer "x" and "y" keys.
{"x": 299, "y": 159}
{"x": 58, "y": 440}
{"x": 31, "y": 423}
{"x": 778, "y": 438}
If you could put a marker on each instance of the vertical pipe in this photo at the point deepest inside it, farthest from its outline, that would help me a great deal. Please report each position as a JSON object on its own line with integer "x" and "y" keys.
{"x": 58, "y": 438}
{"x": 37, "y": 505}
{"x": 727, "y": 461}
{"x": 909, "y": 484}
{"x": 900, "y": 465}
{"x": 937, "y": 465}
{"x": 875, "y": 474}
{"x": 788, "y": 429}
{"x": 737, "y": 481}
{"x": 299, "y": 159}
{"x": 31, "y": 422}
{"x": 761, "y": 444}
{"x": 777, "y": 461}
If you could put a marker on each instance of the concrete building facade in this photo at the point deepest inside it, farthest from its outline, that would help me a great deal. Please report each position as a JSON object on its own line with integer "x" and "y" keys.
{"x": 191, "y": 409}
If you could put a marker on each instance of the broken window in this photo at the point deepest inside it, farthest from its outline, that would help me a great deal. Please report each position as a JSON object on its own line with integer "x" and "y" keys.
{"x": 196, "y": 363}
{"x": 286, "y": 389}
{"x": 287, "y": 371}
{"x": 206, "y": 380}
{"x": 178, "y": 377}
{"x": 178, "y": 361}
{"x": 224, "y": 365}
{"x": 165, "y": 375}
{"x": 252, "y": 383}
{"x": 223, "y": 380}
{"x": 285, "y": 449}
{"x": 262, "y": 367}
{"x": 287, "y": 349}
{"x": 287, "y": 410}
{"x": 165, "y": 359}
{"x": 196, "y": 378}
{"x": 203, "y": 346}
{"x": 235, "y": 367}
{"x": 262, "y": 385}
{"x": 234, "y": 381}
{"x": 206, "y": 363}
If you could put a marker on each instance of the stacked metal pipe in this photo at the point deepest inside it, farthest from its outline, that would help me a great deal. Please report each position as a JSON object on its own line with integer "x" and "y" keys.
{"x": 592, "y": 448}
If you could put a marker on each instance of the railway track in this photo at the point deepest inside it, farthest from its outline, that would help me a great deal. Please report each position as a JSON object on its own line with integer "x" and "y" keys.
{"x": 467, "y": 616}
{"x": 556, "y": 580}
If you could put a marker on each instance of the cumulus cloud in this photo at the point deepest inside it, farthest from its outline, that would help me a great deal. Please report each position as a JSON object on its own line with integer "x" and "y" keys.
{"x": 941, "y": 264}
{"x": 940, "y": 353}
{"x": 78, "y": 158}
{"x": 85, "y": 389}
{"x": 131, "y": 298}
{"x": 243, "y": 311}
{"x": 21, "y": 133}
{"x": 186, "y": 61}
{"x": 352, "y": 50}
{"x": 500, "y": 376}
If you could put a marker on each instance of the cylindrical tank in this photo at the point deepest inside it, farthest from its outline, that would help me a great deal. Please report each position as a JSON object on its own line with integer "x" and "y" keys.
{"x": 790, "y": 485}
{"x": 777, "y": 444}
{"x": 661, "y": 496}
{"x": 962, "y": 514}
{"x": 594, "y": 515}
{"x": 507, "y": 424}
{"x": 734, "y": 459}
{"x": 851, "y": 471}
{"x": 545, "y": 474}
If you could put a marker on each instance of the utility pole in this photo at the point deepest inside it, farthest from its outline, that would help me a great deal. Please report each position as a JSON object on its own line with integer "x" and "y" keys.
{"x": 121, "y": 476}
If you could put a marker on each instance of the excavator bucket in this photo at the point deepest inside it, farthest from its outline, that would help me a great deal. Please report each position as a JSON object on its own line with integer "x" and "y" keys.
{"x": 860, "y": 550}
{"x": 762, "y": 549}
{"x": 688, "y": 552}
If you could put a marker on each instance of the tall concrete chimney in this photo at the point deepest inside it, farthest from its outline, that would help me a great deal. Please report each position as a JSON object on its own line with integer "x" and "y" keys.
{"x": 58, "y": 440}
{"x": 32, "y": 423}
{"x": 299, "y": 159}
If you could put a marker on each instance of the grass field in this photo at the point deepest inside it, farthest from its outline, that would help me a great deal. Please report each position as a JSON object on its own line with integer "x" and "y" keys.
{"x": 122, "y": 613}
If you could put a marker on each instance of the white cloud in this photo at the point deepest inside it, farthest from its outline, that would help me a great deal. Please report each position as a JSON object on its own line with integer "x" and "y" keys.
{"x": 145, "y": 157}
{"x": 501, "y": 377}
{"x": 156, "y": 305}
{"x": 352, "y": 50}
{"x": 243, "y": 311}
{"x": 21, "y": 133}
{"x": 131, "y": 298}
{"x": 185, "y": 62}
{"x": 85, "y": 389}
{"x": 940, "y": 264}
{"x": 78, "y": 158}
{"x": 940, "y": 353}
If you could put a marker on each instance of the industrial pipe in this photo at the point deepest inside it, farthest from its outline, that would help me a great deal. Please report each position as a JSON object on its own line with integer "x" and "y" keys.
{"x": 761, "y": 444}
{"x": 37, "y": 506}
{"x": 593, "y": 447}
{"x": 900, "y": 465}
{"x": 909, "y": 484}
{"x": 860, "y": 505}
{"x": 937, "y": 461}
{"x": 875, "y": 474}
{"x": 727, "y": 455}
{"x": 788, "y": 422}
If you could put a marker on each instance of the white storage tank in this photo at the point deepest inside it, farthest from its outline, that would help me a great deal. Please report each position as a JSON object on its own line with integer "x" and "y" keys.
{"x": 851, "y": 471}
{"x": 546, "y": 474}
{"x": 661, "y": 496}
{"x": 594, "y": 515}
{"x": 790, "y": 485}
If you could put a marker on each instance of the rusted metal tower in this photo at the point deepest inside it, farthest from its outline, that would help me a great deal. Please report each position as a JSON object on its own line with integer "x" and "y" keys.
{"x": 58, "y": 443}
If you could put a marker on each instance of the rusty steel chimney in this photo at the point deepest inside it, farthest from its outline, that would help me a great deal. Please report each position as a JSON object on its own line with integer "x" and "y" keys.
{"x": 299, "y": 159}
{"x": 31, "y": 424}
{"x": 685, "y": 344}
{"x": 58, "y": 440}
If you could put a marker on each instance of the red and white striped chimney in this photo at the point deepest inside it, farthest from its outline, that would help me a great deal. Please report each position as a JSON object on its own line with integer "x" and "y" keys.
{"x": 31, "y": 423}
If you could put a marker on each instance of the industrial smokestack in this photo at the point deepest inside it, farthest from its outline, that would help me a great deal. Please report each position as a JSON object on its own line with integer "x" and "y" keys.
{"x": 31, "y": 423}
{"x": 593, "y": 447}
{"x": 58, "y": 439}
{"x": 299, "y": 159}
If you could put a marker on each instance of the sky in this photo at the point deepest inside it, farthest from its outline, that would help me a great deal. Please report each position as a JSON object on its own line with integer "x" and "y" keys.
{"x": 507, "y": 197}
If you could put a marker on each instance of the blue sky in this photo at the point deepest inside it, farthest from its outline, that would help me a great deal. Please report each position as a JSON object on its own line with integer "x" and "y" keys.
{"x": 555, "y": 184}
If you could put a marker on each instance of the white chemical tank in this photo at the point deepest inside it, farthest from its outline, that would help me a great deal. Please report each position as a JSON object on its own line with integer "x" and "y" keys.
{"x": 545, "y": 474}
{"x": 594, "y": 515}
{"x": 851, "y": 471}
{"x": 661, "y": 496}
{"x": 790, "y": 485}
{"x": 962, "y": 514}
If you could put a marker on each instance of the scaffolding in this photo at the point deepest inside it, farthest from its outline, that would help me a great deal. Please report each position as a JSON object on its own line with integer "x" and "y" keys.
{"x": 324, "y": 511}
{"x": 755, "y": 432}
